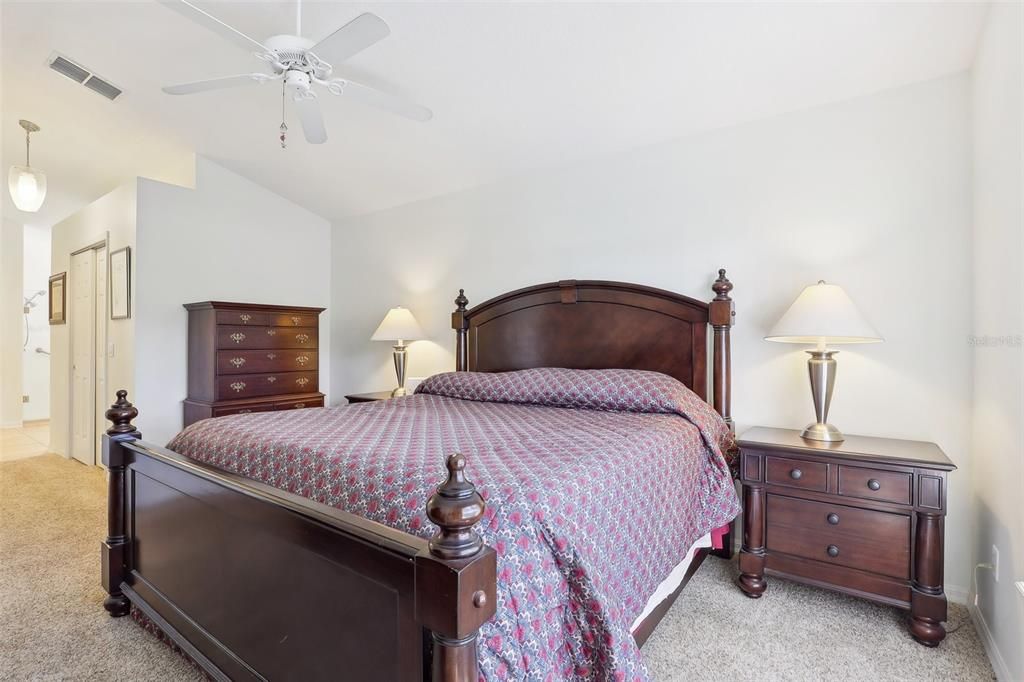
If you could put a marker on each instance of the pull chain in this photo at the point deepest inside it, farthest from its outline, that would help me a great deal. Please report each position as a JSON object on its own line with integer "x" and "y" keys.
{"x": 284, "y": 127}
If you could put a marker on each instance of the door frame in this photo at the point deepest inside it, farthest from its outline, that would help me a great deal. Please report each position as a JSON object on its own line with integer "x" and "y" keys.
{"x": 98, "y": 372}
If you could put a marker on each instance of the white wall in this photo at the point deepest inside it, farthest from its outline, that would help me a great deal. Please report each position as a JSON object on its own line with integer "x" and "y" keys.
{"x": 229, "y": 239}
{"x": 997, "y": 454}
{"x": 11, "y": 322}
{"x": 35, "y": 378}
{"x": 872, "y": 193}
{"x": 110, "y": 217}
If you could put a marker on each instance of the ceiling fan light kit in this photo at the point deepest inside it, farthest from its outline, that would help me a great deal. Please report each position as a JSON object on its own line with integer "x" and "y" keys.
{"x": 302, "y": 64}
{"x": 27, "y": 185}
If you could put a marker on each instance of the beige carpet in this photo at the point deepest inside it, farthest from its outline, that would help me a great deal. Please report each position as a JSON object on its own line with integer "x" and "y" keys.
{"x": 53, "y": 627}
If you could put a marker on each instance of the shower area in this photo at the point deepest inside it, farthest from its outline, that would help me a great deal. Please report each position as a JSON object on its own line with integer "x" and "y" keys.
{"x": 35, "y": 353}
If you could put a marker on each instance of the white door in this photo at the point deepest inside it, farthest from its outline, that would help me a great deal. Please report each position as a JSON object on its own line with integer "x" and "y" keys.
{"x": 102, "y": 399}
{"x": 83, "y": 337}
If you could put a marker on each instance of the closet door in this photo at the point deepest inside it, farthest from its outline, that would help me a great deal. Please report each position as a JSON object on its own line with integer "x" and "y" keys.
{"x": 83, "y": 339}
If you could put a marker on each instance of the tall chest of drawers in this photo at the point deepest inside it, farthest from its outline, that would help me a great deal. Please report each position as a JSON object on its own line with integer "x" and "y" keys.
{"x": 865, "y": 516}
{"x": 244, "y": 357}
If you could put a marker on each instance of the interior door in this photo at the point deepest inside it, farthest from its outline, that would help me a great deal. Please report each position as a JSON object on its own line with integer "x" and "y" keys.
{"x": 83, "y": 338}
{"x": 101, "y": 399}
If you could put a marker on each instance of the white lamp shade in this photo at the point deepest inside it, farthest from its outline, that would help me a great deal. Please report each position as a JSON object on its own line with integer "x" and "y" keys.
{"x": 27, "y": 187}
{"x": 823, "y": 314}
{"x": 398, "y": 325}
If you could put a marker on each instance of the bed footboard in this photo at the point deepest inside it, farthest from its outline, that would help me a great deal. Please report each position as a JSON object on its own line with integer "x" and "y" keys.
{"x": 257, "y": 583}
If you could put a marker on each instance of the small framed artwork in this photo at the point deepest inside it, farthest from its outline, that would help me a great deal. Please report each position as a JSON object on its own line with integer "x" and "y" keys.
{"x": 120, "y": 284}
{"x": 58, "y": 287}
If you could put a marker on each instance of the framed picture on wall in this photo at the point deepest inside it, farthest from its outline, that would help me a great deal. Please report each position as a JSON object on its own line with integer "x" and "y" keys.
{"x": 58, "y": 285}
{"x": 120, "y": 284}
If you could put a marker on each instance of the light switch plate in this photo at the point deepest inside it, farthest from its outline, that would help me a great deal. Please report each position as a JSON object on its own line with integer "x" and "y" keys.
{"x": 1020, "y": 587}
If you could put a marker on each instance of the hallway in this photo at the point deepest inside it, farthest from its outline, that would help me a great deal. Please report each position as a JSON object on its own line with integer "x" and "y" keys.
{"x": 30, "y": 440}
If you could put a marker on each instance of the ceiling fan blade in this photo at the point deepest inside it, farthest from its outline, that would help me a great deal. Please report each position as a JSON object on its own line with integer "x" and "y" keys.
{"x": 353, "y": 37}
{"x": 373, "y": 97}
{"x": 312, "y": 119}
{"x": 218, "y": 83}
{"x": 204, "y": 18}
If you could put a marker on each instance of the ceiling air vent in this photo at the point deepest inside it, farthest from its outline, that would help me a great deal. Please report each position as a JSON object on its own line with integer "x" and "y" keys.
{"x": 83, "y": 76}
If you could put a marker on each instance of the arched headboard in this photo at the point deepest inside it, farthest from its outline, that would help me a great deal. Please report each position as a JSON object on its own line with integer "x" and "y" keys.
{"x": 588, "y": 324}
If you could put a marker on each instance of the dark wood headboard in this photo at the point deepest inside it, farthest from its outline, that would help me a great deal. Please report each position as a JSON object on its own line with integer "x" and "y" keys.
{"x": 586, "y": 324}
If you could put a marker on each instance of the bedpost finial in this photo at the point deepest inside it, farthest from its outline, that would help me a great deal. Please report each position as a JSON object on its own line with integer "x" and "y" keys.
{"x": 121, "y": 414}
{"x": 461, "y": 301}
{"x": 722, "y": 286}
{"x": 454, "y": 509}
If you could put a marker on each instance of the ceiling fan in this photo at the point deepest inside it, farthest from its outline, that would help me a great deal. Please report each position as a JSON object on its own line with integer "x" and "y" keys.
{"x": 300, "y": 64}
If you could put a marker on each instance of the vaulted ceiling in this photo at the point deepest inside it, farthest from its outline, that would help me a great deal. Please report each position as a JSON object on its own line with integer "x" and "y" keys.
{"x": 513, "y": 87}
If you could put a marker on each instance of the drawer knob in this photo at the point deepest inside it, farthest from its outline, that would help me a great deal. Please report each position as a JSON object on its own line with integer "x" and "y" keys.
{"x": 302, "y": 338}
{"x": 296, "y": 320}
{"x": 238, "y": 386}
{"x": 833, "y": 519}
{"x": 245, "y": 318}
{"x": 796, "y": 474}
{"x": 238, "y": 337}
{"x": 874, "y": 484}
{"x": 237, "y": 362}
{"x": 833, "y": 551}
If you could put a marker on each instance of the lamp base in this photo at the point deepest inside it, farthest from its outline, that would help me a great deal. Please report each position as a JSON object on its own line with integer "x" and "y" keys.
{"x": 399, "y": 392}
{"x": 822, "y": 432}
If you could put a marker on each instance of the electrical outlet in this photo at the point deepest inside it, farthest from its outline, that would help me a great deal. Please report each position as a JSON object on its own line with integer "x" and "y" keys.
{"x": 995, "y": 563}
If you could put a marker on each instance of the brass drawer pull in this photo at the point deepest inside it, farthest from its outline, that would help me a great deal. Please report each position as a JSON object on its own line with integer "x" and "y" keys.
{"x": 302, "y": 338}
{"x": 271, "y": 379}
{"x": 271, "y": 331}
{"x": 238, "y": 337}
{"x": 874, "y": 484}
{"x": 299, "y": 406}
{"x": 245, "y": 318}
{"x": 302, "y": 381}
{"x": 238, "y": 386}
{"x": 244, "y": 411}
{"x": 296, "y": 320}
{"x": 302, "y": 360}
{"x": 833, "y": 551}
{"x": 796, "y": 474}
{"x": 237, "y": 362}
{"x": 833, "y": 519}
{"x": 271, "y": 356}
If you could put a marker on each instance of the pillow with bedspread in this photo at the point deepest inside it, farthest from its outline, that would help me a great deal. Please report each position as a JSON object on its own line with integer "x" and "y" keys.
{"x": 614, "y": 390}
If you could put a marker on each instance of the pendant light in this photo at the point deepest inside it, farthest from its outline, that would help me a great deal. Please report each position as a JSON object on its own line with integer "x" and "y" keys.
{"x": 26, "y": 184}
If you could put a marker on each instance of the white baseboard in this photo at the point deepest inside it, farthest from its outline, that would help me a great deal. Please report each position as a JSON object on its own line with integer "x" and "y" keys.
{"x": 957, "y": 594}
{"x": 998, "y": 662}
{"x": 11, "y": 425}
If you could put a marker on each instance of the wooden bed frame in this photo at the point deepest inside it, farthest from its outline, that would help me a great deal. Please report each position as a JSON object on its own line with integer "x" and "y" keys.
{"x": 256, "y": 583}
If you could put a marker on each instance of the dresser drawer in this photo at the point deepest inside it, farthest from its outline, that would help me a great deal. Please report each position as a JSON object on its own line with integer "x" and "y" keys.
{"x": 875, "y": 484}
{"x": 225, "y": 411}
{"x": 237, "y": 337}
{"x": 242, "y": 317}
{"x": 253, "y": 361}
{"x": 293, "y": 320}
{"x": 838, "y": 548}
{"x": 232, "y": 386}
{"x": 299, "y": 403}
{"x": 891, "y": 530}
{"x": 797, "y": 473}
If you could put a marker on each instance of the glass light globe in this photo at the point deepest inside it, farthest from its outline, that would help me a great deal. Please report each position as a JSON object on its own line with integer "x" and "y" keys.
{"x": 27, "y": 187}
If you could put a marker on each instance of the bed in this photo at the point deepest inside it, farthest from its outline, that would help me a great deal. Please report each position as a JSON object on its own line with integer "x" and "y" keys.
{"x": 256, "y": 571}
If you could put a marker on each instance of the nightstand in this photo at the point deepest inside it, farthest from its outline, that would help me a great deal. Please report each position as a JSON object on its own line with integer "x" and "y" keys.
{"x": 368, "y": 397}
{"x": 864, "y": 517}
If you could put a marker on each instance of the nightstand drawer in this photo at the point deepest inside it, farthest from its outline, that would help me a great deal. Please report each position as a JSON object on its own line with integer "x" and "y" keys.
{"x": 797, "y": 473}
{"x": 837, "y": 548}
{"x": 890, "y": 530}
{"x": 875, "y": 484}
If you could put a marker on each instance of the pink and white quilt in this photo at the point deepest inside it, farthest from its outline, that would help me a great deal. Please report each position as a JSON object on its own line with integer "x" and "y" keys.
{"x": 597, "y": 482}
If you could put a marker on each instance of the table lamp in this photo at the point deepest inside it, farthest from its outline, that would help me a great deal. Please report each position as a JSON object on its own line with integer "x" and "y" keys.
{"x": 399, "y": 326}
{"x": 822, "y": 315}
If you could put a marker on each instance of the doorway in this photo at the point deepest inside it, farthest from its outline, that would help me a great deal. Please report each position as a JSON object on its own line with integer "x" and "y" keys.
{"x": 87, "y": 311}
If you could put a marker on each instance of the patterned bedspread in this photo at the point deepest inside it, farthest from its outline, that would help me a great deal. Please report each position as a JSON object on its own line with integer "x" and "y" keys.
{"x": 596, "y": 483}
